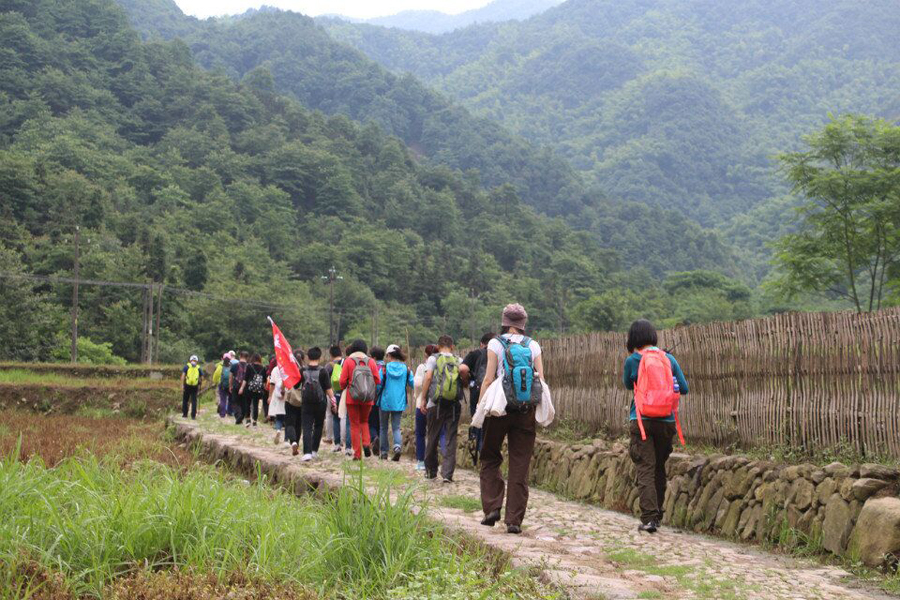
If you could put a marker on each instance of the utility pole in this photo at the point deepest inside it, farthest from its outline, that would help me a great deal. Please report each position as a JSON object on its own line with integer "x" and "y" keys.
{"x": 474, "y": 298}
{"x": 331, "y": 278}
{"x": 154, "y": 358}
{"x": 74, "y": 352}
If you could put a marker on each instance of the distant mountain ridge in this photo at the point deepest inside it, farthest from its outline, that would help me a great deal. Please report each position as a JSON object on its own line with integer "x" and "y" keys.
{"x": 674, "y": 103}
{"x": 433, "y": 21}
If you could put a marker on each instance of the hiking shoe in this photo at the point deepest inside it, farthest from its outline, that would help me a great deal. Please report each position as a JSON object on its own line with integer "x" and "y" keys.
{"x": 315, "y": 455}
{"x": 277, "y": 437}
{"x": 295, "y": 449}
{"x": 430, "y": 475}
{"x": 367, "y": 451}
{"x": 396, "y": 454}
{"x": 513, "y": 529}
{"x": 448, "y": 480}
{"x": 247, "y": 424}
{"x": 336, "y": 449}
{"x": 306, "y": 457}
{"x": 254, "y": 423}
{"x": 349, "y": 452}
{"x": 491, "y": 518}
{"x": 383, "y": 457}
{"x": 420, "y": 466}
{"x": 650, "y": 527}
{"x": 184, "y": 416}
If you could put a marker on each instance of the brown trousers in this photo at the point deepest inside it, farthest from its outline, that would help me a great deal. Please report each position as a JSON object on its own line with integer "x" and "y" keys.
{"x": 519, "y": 428}
{"x": 649, "y": 457}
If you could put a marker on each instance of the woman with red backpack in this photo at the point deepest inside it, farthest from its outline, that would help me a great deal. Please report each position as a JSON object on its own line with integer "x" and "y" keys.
{"x": 360, "y": 388}
{"x": 658, "y": 383}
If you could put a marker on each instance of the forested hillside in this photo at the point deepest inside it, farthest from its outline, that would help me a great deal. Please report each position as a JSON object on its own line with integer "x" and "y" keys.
{"x": 322, "y": 74}
{"x": 678, "y": 103}
{"x": 432, "y": 21}
{"x": 183, "y": 177}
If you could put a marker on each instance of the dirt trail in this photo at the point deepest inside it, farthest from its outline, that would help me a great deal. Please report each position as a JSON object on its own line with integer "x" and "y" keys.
{"x": 592, "y": 552}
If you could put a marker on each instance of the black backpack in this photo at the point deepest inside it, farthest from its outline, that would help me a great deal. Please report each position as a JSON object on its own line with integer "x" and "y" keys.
{"x": 311, "y": 392}
{"x": 480, "y": 367}
{"x": 257, "y": 383}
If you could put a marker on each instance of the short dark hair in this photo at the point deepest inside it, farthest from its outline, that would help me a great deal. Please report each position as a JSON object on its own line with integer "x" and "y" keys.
{"x": 357, "y": 346}
{"x": 314, "y": 353}
{"x": 430, "y": 349}
{"x": 377, "y": 352}
{"x": 257, "y": 358}
{"x": 335, "y": 351}
{"x": 487, "y": 337}
{"x": 245, "y": 354}
{"x": 445, "y": 341}
{"x": 298, "y": 354}
{"x": 640, "y": 334}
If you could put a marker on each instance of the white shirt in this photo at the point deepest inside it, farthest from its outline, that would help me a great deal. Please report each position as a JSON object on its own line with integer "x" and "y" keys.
{"x": 276, "y": 380}
{"x": 497, "y": 348}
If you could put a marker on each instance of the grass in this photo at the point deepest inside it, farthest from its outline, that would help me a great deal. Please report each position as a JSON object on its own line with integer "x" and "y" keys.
{"x": 86, "y": 528}
{"x": 53, "y": 438}
{"x": 31, "y": 377}
{"x": 697, "y": 580}
{"x": 464, "y": 503}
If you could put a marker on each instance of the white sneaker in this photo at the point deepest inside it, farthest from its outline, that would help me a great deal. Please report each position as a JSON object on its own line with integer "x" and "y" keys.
{"x": 349, "y": 452}
{"x": 420, "y": 466}
{"x": 306, "y": 457}
{"x": 315, "y": 455}
{"x": 336, "y": 449}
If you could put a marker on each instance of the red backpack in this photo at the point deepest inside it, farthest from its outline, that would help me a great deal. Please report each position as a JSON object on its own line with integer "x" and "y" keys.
{"x": 654, "y": 392}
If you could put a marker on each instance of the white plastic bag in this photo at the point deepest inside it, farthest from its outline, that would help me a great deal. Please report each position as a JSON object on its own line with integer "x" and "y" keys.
{"x": 545, "y": 412}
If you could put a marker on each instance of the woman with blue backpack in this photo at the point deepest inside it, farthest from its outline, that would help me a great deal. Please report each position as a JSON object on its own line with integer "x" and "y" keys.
{"x": 516, "y": 360}
{"x": 392, "y": 401}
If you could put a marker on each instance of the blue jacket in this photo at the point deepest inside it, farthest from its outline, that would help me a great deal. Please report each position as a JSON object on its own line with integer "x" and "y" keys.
{"x": 397, "y": 377}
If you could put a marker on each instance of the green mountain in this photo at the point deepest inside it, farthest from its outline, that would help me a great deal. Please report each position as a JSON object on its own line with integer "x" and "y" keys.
{"x": 432, "y": 21}
{"x": 675, "y": 103}
{"x": 239, "y": 199}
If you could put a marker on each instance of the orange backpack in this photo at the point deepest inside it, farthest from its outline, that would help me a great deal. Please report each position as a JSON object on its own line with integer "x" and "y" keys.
{"x": 654, "y": 392}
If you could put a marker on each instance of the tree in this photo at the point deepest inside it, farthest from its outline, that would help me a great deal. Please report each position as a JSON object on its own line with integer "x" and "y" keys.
{"x": 849, "y": 237}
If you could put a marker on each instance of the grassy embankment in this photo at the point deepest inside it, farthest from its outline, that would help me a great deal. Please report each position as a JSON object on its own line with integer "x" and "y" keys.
{"x": 108, "y": 507}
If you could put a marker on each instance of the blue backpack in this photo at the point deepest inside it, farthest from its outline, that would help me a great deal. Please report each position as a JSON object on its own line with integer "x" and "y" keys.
{"x": 521, "y": 384}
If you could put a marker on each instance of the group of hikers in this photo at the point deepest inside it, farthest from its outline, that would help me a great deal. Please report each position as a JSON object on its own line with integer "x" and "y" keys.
{"x": 355, "y": 398}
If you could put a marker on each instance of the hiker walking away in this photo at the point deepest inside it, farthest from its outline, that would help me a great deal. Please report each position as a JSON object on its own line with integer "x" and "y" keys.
{"x": 316, "y": 394}
{"x": 220, "y": 380}
{"x": 658, "y": 383}
{"x": 375, "y": 415}
{"x": 293, "y": 408}
{"x": 359, "y": 379}
{"x": 253, "y": 389}
{"x": 340, "y": 427}
{"x": 445, "y": 378}
{"x": 233, "y": 357}
{"x": 238, "y": 372}
{"x": 392, "y": 400}
{"x": 476, "y": 361}
{"x": 191, "y": 376}
{"x": 421, "y": 418}
{"x": 276, "y": 399}
{"x": 516, "y": 360}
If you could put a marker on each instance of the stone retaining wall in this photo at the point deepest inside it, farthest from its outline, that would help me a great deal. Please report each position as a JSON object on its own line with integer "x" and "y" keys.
{"x": 735, "y": 497}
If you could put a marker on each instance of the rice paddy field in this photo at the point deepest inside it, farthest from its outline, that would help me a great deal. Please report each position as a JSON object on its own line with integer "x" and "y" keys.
{"x": 96, "y": 504}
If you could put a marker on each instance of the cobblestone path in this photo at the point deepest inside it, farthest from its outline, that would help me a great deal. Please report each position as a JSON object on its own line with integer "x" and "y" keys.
{"x": 593, "y": 553}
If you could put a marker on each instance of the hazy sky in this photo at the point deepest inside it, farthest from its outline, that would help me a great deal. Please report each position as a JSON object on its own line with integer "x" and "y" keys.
{"x": 362, "y": 9}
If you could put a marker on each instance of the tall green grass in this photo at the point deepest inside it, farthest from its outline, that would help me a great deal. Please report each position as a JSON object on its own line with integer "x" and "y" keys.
{"x": 93, "y": 522}
{"x": 43, "y": 377}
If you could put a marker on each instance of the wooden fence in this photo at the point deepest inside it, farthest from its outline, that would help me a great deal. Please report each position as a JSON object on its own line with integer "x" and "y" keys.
{"x": 810, "y": 381}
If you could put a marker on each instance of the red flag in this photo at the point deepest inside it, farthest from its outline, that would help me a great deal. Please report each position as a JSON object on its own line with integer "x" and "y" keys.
{"x": 284, "y": 356}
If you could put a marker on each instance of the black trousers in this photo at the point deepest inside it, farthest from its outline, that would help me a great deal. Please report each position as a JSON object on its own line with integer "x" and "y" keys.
{"x": 313, "y": 418}
{"x": 237, "y": 401}
{"x": 190, "y": 393}
{"x": 293, "y": 422}
{"x": 251, "y": 403}
{"x": 649, "y": 457}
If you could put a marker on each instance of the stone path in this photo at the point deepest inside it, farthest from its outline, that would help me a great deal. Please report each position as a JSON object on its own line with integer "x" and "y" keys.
{"x": 594, "y": 553}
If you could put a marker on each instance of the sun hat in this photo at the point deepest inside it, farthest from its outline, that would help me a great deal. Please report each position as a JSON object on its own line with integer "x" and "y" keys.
{"x": 392, "y": 348}
{"x": 514, "y": 315}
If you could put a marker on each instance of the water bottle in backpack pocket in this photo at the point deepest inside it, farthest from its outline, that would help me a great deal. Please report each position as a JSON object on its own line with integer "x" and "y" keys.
{"x": 521, "y": 383}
